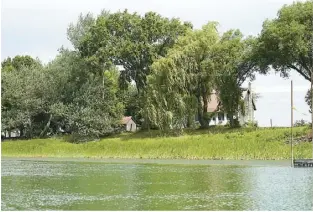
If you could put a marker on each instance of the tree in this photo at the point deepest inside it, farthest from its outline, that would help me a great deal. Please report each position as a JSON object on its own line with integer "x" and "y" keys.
{"x": 308, "y": 99}
{"x": 233, "y": 59}
{"x": 131, "y": 41}
{"x": 64, "y": 96}
{"x": 129, "y": 97}
{"x": 88, "y": 106}
{"x": 19, "y": 62}
{"x": 77, "y": 31}
{"x": 23, "y": 100}
{"x": 286, "y": 42}
{"x": 181, "y": 82}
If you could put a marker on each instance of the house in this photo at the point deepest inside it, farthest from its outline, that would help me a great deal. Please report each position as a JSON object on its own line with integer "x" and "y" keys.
{"x": 129, "y": 124}
{"x": 221, "y": 118}
{"x": 10, "y": 134}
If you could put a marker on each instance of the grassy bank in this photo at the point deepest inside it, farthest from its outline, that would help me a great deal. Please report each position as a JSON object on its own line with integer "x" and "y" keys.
{"x": 223, "y": 143}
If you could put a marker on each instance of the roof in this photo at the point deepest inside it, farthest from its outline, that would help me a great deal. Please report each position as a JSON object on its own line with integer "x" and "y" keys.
{"x": 126, "y": 119}
{"x": 214, "y": 103}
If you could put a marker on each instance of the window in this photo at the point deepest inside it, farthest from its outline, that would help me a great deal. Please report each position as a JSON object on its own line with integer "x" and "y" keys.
{"x": 220, "y": 116}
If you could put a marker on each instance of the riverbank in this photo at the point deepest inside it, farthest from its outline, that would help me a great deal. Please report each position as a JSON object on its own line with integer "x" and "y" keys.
{"x": 250, "y": 163}
{"x": 217, "y": 144}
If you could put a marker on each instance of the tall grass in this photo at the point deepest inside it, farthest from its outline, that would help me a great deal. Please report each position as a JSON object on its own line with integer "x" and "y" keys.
{"x": 219, "y": 143}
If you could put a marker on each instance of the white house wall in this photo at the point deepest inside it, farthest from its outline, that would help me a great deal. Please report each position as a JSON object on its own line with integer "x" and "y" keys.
{"x": 219, "y": 122}
{"x": 131, "y": 126}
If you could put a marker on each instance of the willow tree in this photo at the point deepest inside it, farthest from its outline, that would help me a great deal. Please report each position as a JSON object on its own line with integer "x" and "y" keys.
{"x": 235, "y": 64}
{"x": 182, "y": 81}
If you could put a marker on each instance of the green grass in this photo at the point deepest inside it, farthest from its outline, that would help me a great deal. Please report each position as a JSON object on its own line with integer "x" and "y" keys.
{"x": 218, "y": 143}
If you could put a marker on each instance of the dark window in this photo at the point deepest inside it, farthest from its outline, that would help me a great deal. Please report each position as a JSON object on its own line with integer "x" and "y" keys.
{"x": 220, "y": 116}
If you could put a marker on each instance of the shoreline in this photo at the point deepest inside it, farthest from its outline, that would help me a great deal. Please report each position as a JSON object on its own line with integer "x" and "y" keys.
{"x": 206, "y": 145}
{"x": 259, "y": 163}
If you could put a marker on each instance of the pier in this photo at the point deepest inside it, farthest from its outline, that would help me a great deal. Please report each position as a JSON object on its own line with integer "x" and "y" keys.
{"x": 303, "y": 163}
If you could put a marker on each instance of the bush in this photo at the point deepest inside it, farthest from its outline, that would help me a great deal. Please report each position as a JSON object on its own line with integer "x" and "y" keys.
{"x": 251, "y": 124}
{"x": 300, "y": 123}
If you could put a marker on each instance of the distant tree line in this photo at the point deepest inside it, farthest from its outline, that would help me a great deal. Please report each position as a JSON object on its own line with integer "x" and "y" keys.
{"x": 168, "y": 70}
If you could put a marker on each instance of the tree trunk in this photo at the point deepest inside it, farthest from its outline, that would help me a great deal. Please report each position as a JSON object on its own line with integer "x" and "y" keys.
{"x": 231, "y": 119}
{"x": 103, "y": 87}
{"x": 205, "y": 111}
{"x": 21, "y": 131}
{"x": 46, "y": 127}
{"x": 189, "y": 121}
{"x": 200, "y": 112}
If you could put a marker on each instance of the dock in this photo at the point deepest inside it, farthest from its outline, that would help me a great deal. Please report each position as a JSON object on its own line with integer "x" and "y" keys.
{"x": 303, "y": 163}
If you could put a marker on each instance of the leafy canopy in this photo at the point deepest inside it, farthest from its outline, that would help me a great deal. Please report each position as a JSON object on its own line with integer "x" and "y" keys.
{"x": 286, "y": 42}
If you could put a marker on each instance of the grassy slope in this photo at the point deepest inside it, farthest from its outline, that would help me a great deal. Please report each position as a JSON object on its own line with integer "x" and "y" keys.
{"x": 205, "y": 144}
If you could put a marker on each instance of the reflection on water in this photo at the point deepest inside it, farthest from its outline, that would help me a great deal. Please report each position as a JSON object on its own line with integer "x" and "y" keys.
{"x": 60, "y": 185}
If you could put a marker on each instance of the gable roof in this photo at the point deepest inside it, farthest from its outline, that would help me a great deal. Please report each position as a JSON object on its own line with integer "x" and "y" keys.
{"x": 214, "y": 103}
{"x": 126, "y": 119}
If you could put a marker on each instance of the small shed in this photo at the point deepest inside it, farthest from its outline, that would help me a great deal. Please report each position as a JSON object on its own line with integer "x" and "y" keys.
{"x": 129, "y": 124}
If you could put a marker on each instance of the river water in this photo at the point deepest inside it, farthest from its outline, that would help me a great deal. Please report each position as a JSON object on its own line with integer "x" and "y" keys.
{"x": 56, "y": 184}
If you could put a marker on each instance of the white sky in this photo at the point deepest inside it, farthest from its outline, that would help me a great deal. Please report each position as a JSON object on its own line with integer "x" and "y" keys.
{"x": 38, "y": 28}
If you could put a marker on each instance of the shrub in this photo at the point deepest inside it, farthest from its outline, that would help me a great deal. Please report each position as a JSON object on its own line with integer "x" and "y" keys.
{"x": 300, "y": 123}
{"x": 251, "y": 124}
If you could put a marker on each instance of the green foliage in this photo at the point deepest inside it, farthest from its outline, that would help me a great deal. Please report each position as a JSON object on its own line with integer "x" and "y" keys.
{"x": 131, "y": 100}
{"x": 76, "y": 32}
{"x": 91, "y": 105}
{"x": 19, "y": 62}
{"x": 24, "y": 101}
{"x": 168, "y": 73}
{"x": 251, "y": 124}
{"x": 235, "y": 65}
{"x": 182, "y": 81}
{"x": 300, "y": 123}
{"x": 131, "y": 41}
{"x": 308, "y": 99}
{"x": 286, "y": 42}
{"x": 200, "y": 61}
{"x": 64, "y": 96}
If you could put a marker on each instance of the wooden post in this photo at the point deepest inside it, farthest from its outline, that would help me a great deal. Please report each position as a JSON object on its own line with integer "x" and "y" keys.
{"x": 271, "y": 123}
{"x": 312, "y": 105}
{"x": 291, "y": 140}
{"x": 312, "y": 88}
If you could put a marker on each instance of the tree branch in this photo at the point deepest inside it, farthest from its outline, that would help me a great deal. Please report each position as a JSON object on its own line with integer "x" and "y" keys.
{"x": 300, "y": 72}
{"x": 304, "y": 64}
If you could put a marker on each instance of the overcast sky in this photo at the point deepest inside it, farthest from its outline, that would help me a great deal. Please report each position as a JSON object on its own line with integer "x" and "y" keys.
{"x": 38, "y": 28}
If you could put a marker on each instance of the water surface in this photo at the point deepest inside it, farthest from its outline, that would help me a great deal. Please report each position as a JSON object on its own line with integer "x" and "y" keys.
{"x": 116, "y": 185}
